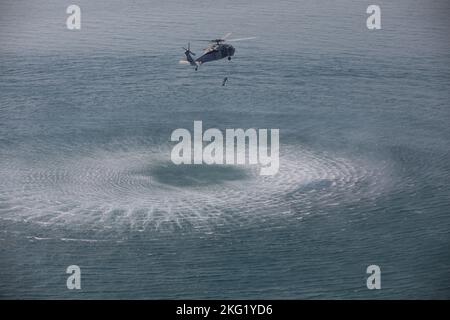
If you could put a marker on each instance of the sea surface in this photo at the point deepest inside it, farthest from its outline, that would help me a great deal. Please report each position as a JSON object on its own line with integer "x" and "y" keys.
{"x": 85, "y": 171}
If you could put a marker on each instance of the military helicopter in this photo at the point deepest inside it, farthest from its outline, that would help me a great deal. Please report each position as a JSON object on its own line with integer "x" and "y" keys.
{"x": 215, "y": 51}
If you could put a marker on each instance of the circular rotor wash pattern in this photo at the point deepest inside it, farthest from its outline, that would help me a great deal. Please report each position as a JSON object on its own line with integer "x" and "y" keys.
{"x": 138, "y": 188}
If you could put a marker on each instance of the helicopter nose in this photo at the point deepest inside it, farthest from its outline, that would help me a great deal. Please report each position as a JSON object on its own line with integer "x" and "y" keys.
{"x": 231, "y": 52}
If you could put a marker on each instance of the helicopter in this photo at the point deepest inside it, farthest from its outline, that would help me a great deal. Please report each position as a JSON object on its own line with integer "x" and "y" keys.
{"x": 217, "y": 50}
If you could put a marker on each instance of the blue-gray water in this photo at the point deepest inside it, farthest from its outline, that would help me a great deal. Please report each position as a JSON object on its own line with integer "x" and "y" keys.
{"x": 85, "y": 172}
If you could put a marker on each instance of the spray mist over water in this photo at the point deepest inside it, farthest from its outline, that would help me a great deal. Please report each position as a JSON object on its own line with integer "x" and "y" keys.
{"x": 136, "y": 188}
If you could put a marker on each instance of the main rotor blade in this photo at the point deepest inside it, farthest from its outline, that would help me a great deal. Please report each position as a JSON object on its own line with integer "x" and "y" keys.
{"x": 241, "y": 39}
{"x": 226, "y": 36}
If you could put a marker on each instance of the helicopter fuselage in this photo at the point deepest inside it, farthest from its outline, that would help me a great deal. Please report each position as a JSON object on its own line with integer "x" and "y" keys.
{"x": 215, "y": 52}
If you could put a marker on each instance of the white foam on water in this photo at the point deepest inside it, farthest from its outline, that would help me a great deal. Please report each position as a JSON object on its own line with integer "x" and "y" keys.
{"x": 138, "y": 188}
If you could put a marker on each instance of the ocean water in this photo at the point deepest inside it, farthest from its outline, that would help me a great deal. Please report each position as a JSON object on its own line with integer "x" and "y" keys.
{"x": 85, "y": 171}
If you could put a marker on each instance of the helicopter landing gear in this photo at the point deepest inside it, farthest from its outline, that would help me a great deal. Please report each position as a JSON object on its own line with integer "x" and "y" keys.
{"x": 196, "y": 68}
{"x": 229, "y": 58}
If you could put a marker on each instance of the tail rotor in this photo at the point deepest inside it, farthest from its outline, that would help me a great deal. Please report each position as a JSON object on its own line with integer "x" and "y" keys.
{"x": 188, "y": 50}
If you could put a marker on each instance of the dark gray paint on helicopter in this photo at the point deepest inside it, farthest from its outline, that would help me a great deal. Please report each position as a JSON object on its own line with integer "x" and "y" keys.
{"x": 215, "y": 51}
